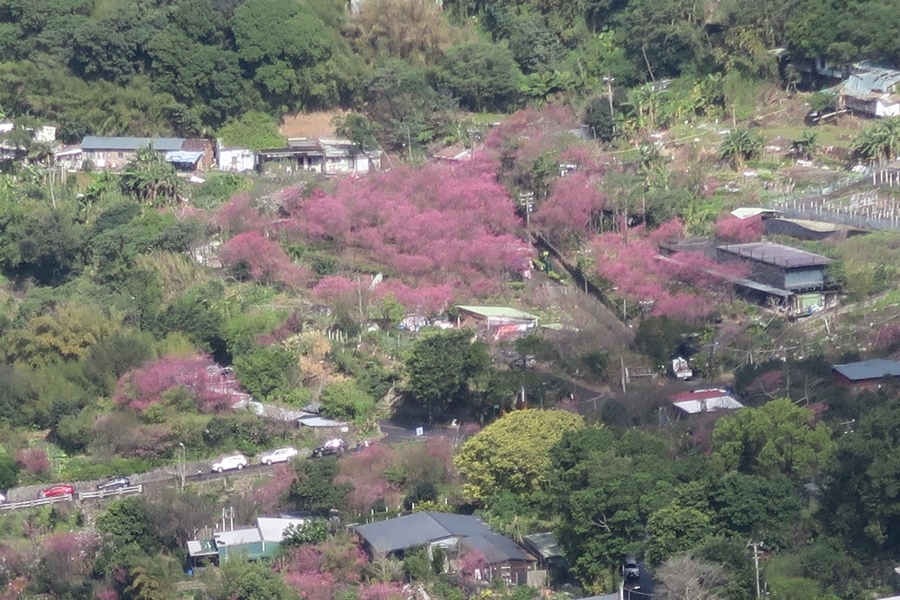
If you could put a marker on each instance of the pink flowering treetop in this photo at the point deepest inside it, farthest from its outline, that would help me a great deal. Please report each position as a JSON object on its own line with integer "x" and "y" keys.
{"x": 739, "y": 231}
{"x": 686, "y": 285}
{"x": 205, "y": 384}
{"x": 435, "y": 232}
{"x": 253, "y": 256}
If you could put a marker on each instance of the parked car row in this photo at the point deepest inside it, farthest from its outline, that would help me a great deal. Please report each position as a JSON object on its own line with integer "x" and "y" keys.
{"x": 280, "y": 455}
{"x": 225, "y": 463}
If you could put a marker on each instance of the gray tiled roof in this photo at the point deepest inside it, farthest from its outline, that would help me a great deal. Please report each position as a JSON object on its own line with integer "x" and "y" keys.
{"x": 419, "y": 529}
{"x": 93, "y": 142}
{"x": 869, "y": 369}
{"x": 494, "y": 548}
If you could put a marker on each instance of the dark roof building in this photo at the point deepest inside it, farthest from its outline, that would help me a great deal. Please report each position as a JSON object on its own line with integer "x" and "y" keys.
{"x": 418, "y": 529}
{"x": 866, "y": 373}
{"x": 790, "y": 278}
{"x": 462, "y": 533}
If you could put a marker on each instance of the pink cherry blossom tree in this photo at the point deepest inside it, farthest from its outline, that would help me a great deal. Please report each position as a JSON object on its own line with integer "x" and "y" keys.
{"x": 435, "y": 232}
{"x": 210, "y": 388}
{"x": 739, "y": 231}
{"x": 251, "y": 254}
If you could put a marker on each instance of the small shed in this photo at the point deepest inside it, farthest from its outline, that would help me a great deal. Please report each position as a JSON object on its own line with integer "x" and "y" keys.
{"x": 871, "y": 91}
{"x": 865, "y": 374}
{"x": 705, "y": 401}
{"x": 250, "y": 543}
{"x": 234, "y": 159}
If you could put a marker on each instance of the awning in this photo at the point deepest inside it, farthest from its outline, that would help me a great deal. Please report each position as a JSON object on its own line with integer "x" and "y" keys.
{"x": 183, "y": 156}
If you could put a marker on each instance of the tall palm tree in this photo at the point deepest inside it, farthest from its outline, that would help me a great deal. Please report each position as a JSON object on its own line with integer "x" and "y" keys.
{"x": 739, "y": 146}
{"x": 148, "y": 177}
{"x": 805, "y": 145}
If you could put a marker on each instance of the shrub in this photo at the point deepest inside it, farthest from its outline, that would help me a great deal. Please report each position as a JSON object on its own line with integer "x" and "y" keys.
{"x": 345, "y": 401}
{"x": 34, "y": 461}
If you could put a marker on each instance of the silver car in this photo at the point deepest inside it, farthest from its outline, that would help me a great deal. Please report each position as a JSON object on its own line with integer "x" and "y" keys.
{"x": 279, "y": 455}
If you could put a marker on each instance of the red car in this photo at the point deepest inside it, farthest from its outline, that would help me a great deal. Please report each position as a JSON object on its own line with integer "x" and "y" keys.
{"x": 53, "y": 491}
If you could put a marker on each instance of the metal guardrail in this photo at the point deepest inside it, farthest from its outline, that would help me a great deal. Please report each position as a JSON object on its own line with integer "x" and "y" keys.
{"x": 123, "y": 491}
{"x": 98, "y": 495}
{"x": 36, "y": 502}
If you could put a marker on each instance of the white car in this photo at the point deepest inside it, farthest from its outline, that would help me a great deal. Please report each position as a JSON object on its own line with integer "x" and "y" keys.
{"x": 280, "y": 455}
{"x": 227, "y": 463}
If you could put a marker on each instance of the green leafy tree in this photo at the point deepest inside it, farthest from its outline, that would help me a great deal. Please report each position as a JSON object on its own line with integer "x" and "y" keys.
{"x": 482, "y": 75}
{"x": 357, "y": 129}
{"x": 513, "y": 453}
{"x": 256, "y": 581}
{"x": 314, "y": 531}
{"x": 738, "y": 146}
{"x": 862, "y": 503}
{"x": 40, "y": 244}
{"x": 604, "y": 490}
{"x": 405, "y": 109}
{"x": 267, "y": 372}
{"x": 344, "y": 400}
{"x": 441, "y": 366}
{"x": 126, "y": 521}
{"x": 9, "y": 469}
{"x": 675, "y": 529}
{"x": 283, "y": 42}
{"x": 598, "y": 117}
{"x": 314, "y": 490}
{"x": 779, "y": 437}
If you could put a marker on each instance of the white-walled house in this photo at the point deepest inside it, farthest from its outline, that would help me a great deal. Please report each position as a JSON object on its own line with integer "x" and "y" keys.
{"x": 234, "y": 159}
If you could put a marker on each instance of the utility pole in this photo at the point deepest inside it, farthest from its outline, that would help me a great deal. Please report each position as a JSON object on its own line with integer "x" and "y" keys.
{"x": 408, "y": 144}
{"x": 526, "y": 199}
{"x": 756, "y": 552}
{"x": 608, "y": 80}
{"x": 181, "y": 466}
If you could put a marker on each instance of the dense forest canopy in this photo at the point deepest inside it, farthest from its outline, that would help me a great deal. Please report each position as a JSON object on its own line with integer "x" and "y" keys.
{"x": 189, "y": 66}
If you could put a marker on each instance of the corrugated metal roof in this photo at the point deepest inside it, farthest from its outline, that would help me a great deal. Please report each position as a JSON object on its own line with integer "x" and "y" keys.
{"x": 745, "y": 212}
{"x": 869, "y": 369}
{"x": 497, "y": 312}
{"x": 866, "y": 79}
{"x": 776, "y": 254}
{"x": 271, "y": 529}
{"x": 237, "y": 537}
{"x": 92, "y": 142}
